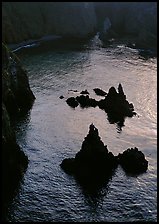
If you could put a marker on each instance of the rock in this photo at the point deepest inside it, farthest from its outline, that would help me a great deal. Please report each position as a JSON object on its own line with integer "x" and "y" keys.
{"x": 61, "y": 97}
{"x": 14, "y": 162}
{"x": 99, "y": 92}
{"x": 15, "y": 84}
{"x": 72, "y": 102}
{"x": 93, "y": 164}
{"x": 133, "y": 161}
{"x": 84, "y": 92}
{"x": 17, "y": 97}
{"x": 116, "y": 104}
{"x": 24, "y": 20}
{"x": 85, "y": 101}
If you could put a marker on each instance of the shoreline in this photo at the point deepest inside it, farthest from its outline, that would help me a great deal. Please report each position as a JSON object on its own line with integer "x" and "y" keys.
{"x": 33, "y": 42}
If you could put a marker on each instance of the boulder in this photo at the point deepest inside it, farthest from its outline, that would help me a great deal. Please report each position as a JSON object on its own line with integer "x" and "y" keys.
{"x": 99, "y": 92}
{"x": 133, "y": 161}
{"x": 84, "y": 92}
{"x": 72, "y": 102}
{"x": 85, "y": 101}
{"x": 93, "y": 164}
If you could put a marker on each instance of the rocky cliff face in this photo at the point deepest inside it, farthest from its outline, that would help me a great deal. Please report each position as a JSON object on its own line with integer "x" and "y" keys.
{"x": 16, "y": 93}
{"x": 137, "y": 19}
{"x": 16, "y": 97}
{"x": 31, "y": 20}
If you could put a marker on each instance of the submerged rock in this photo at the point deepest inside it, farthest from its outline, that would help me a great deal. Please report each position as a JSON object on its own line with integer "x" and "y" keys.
{"x": 93, "y": 164}
{"x": 133, "y": 161}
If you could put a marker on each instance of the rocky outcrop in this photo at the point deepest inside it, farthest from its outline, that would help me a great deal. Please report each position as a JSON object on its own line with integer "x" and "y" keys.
{"x": 17, "y": 97}
{"x": 93, "y": 163}
{"x": 31, "y": 20}
{"x": 16, "y": 93}
{"x": 99, "y": 92}
{"x": 133, "y": 161}
{"x": 14, "y": 162}
{"x": 114, "y": 104}
{"x": 137, "y": 21}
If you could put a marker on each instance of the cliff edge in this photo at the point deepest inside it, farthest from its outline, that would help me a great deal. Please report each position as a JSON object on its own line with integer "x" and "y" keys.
{"x": 17, "y": 97}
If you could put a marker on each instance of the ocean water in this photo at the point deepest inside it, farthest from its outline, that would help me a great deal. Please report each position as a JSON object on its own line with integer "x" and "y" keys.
{"x": 52, "y": 131}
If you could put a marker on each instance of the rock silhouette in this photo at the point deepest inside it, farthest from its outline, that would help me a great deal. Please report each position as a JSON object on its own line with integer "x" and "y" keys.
{"x": 93, "y": 163}
{"x": 133, "y": 161}
{"x": 72, "y": 102}
{"x": 99, "y": 92}
{"x": 114, "y": 104}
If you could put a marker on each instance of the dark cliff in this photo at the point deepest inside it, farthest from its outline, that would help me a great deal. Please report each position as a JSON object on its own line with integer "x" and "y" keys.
{"x": 17, "y": 97}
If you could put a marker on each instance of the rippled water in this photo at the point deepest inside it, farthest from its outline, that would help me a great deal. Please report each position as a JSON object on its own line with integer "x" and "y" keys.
{"x": 53, "y": 131}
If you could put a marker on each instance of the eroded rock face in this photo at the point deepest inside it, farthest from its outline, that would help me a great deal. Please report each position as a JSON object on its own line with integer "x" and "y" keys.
{"x": 14, "y": 162}
{"x": 31, "y": 20}
{"x": 93, "y": 163}
{"x": 133, "y": 161}
{"x": 16, "y": 97}
{"x": 16, "y": 93}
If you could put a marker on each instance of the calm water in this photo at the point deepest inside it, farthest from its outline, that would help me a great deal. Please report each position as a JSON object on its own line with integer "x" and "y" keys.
{"x": 53, "y": 131}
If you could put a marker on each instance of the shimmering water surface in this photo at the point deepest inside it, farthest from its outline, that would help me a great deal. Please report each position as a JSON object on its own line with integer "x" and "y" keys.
{"x": 53, "y": 131}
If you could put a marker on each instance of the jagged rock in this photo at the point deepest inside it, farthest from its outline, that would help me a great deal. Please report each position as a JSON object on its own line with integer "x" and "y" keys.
{"x": 84, "y": 92}
{"x": 99, "y": 92}
{"x": 116, "y": 104}
{"x": 133, "y": 161}
{"x": 93, "y": 163}
{"x": 72, "y": 102}
{"x": 85, "y": 101}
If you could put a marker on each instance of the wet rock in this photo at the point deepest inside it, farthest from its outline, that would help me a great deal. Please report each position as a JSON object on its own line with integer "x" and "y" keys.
{"x": 61, "y": 97}
{"x": 84, "y": 92}
{"x": 14, "y": 162}
{"x": 116, "y": 104}
{"x": 15, "y": 84}
{"x": 17, "y": 98}
{"x": 93, "y": 163}
{"x": 72, "y": 102}
{"x": 133, "y": 161}
{"x": 99, "y": 92}
{"x": 85, "y": 101}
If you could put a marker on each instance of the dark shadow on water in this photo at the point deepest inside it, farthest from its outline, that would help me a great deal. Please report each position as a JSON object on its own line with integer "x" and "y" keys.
{"x": 94, "y": 191}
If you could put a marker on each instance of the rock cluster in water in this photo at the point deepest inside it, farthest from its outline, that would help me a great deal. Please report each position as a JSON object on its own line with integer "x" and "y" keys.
{"x": 114, "y": 104}
{"x": 94, "y": 164}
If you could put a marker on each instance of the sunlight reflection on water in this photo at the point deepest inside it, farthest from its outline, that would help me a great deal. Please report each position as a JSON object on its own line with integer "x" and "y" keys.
{"x": 55, "y": 131}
